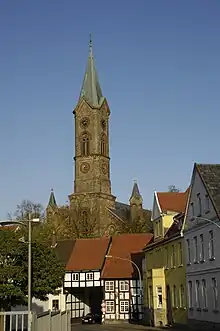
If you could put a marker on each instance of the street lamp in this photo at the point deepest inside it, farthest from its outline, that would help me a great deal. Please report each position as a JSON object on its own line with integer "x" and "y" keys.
{"x": 11, "y": 222}
{"x": 136, "y": 266}
{"x": 207, "y": 220}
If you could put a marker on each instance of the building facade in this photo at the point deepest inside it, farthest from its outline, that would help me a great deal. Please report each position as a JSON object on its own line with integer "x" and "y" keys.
{"x": 123, "y": 278}
{"x": 164, "y": 277}
{"x": 202, "y": 246}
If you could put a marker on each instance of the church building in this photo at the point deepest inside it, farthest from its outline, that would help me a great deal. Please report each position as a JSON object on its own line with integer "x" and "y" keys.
{"x": 92, "y": 197}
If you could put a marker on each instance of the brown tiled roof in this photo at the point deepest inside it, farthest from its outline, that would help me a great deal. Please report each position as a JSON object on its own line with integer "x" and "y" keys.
{"x": 9, "y": 227}
{"x": 88, "y": 254}
{"x": 64, "y": 249}
{"x": 210, "y": 174}
{"x": 126, "y": 246}
{"x": 173, "y": 201}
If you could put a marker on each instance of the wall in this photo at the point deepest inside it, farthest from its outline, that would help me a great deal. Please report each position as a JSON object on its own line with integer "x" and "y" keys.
{"x": 202, "y": 269}
{"x": 162, "y": 271}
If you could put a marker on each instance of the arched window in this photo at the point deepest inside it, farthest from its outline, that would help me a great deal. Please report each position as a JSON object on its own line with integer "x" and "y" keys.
{"x": 85, "y": 145}
{"x": 103, "y": 145}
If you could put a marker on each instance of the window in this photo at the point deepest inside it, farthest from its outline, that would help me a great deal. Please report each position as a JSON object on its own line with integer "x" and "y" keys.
{"x": 180, "y": 254}
{"x": 85, "y": 145}
{"x": 55, "y": 304}
{"x": 197, "y": 294}
{"x": 204, "y": 294}
{"x": 182, "y": 296}
{"x": 109, "y": 285}
{"x": 110, "y": 307}
{"x": 195, "y": 243}
{"x": 211, "y": 245}
{"x": 199, "y": 203}
{"x": 215, "y": 293}
{"x": 124, "y": 285}
{"x": 159, "y": 297}
{"x": 103, "y": 145}
{"x": 173, "y": 261}
{"x": 207, "y": 204}
{"x": 124, "y": 306}
{"x": 202, "y": 254}
{"x": 166, "y": 258}
{"x": 174, "y": 296}
{"x": 150, "y": 296}
{"x": 89, "y": 276}
{"x": 190, "y": 294}
{"x": 192, "y": 209}
{"x": 75, "y": 277}
{"x": 188, "y": 251}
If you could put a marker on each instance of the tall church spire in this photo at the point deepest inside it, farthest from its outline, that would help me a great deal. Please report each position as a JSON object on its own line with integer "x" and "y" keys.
{"x": 91, "y": 90}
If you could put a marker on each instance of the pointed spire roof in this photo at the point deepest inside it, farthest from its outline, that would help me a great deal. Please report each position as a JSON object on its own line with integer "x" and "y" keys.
{"x": 52, "y": 200}
{"x": 91, "y": 90}
{"x": 135, "y": 191}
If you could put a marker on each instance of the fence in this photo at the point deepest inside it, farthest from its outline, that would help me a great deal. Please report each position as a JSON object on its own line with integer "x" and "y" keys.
{"x": 47, "y": 321}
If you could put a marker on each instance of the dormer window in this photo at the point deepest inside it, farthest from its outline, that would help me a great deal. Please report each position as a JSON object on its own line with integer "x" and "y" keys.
{"x": 199, "y": 203}
{"x": 207, "y": 204}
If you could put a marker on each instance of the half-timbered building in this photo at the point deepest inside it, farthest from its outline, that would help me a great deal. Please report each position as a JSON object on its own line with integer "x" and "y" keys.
{"x": 122, "y": 278}
{"x": 82, "y": 278}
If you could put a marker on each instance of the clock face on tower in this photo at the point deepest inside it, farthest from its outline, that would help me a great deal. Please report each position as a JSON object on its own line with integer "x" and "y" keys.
{"x": 84, "y": 168}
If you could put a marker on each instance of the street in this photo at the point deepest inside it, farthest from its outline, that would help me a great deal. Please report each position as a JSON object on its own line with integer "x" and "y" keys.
{"x": 112, "y": 327}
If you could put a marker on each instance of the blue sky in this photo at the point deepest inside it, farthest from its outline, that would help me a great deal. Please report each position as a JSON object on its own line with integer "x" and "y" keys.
{"x": 158, "y": 64}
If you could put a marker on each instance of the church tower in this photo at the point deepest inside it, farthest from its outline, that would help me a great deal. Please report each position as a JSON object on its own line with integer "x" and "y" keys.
{"x": 92, "y": 186}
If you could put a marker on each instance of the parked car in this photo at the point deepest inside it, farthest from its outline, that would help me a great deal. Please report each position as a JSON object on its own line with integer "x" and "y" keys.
{"x": 91, "y": 318}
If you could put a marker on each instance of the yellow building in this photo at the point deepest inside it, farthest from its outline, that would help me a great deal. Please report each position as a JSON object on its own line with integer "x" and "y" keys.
{"x": 164, "y": 277}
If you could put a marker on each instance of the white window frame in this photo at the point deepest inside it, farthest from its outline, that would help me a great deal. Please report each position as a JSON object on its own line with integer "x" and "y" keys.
{"x": 195, "y": 248}
{"x": 202, "y": 252}
{"x": 190, "y": 293}
{"x": 89, "y": 276}
{"x": 215, "y": 293}
{"x": 199, "y": 202}
{"x": 180, "y": 254}
{"x": 204, "y": 294}
{"x": 110, "y": 306}
{"x": 211, "y": 245}
{"x": 75, "y": 277}
{"x": 197, "y": 293}
{"x": 124, "y": 306}
{"x": 182, "y": 296}
{"x": 124, "y": 285}
{"x": 175, "y": 303}
{"x": 192, "y": 210}
{"x": 188, "y": 251}
{"x": 109, "y": 285}
{"x": 159, "y": 292}
{"x": 207, "y": 204}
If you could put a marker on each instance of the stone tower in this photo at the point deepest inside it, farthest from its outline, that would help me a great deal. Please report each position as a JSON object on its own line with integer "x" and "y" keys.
{"x": 136, "y": 203}
{"x": 92, "y": 186}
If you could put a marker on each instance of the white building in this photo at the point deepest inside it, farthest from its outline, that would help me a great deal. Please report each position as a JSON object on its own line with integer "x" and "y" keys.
{"x": 202, "y": 240}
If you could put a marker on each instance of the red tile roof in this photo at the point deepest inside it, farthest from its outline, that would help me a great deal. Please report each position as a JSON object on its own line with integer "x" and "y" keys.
{"x": 173, "y": 201}
{"x": 88, "y": 254}
{"x": 126, "y": 246}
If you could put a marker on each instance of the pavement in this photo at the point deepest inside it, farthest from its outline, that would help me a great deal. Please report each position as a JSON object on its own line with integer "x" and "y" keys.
{"x": 115, "y": 327}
